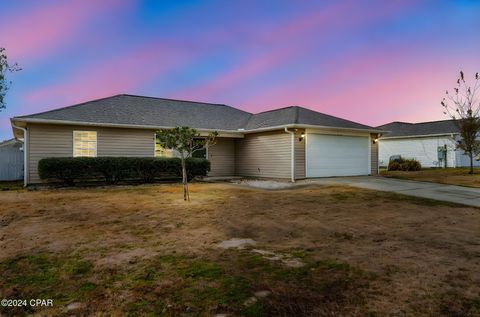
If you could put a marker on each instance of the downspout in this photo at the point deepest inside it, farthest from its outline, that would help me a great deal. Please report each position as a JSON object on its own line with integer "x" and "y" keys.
{"x": 292, "y": 172}
{"x": 25, "y": 142}
{"x": 379, "y": 135}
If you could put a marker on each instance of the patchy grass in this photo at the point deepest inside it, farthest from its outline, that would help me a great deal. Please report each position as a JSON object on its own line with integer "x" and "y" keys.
{"x": 44, "y": 275}
{"x": 452, "y": 176}
{"x": 175, "y": 285}
{"x": 142, "y": 251}
{"x": 11, "y": 185}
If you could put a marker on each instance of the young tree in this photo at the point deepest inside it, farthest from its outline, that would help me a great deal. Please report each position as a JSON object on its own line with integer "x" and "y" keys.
{"x": 185, "y": 141}
{"x": 4, "y": 83}
{"x": 463, "y": 106}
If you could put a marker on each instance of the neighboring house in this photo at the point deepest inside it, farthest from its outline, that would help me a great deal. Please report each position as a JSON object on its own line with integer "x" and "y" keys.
{"x": 291, "y": 143}
{"x": 422, "y": 141}
{"x": 11, "y": 160}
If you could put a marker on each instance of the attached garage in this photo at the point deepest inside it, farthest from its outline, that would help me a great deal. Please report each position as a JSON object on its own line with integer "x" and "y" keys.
{"x": 337, "y": 155}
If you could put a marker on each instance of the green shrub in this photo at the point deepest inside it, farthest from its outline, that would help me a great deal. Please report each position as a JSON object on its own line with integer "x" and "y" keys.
{"x": 413, "y": 165}
{"x": 66, "y": 169}
{"x": 147, "y": 169}
{"x": 112, "y": 170}
{"x": 393, "y": 166}
{"x": 197, "y": 167}
{"x": 404, "y": 165}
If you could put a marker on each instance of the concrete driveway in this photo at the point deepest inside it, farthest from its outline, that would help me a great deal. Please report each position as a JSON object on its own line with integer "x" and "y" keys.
{"x": 450, "y": 193}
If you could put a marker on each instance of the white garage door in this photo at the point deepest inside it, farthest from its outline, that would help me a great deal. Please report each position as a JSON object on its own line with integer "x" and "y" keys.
{"x": 333, "y": 155}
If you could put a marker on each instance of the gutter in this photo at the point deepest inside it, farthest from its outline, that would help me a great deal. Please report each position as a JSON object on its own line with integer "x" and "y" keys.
{"x": 292, "y": 172}
{"x": 114, "y": 125}
{"x": 451, "y": 134}
{"x": 312, "y": 126}
{"x": 25, "y": 144}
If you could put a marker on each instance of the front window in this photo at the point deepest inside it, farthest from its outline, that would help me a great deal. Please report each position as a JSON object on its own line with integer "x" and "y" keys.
{"x": 160, "y": 151}
{"x": 84, "y": 143}
{"x": 200, "y": 153}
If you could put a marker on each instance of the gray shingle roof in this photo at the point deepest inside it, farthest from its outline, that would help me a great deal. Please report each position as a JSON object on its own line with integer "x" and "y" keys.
{"x": 299, "y": 115}
{"x": 148, "y": 111}
{"x": 160, "y": 112}
{"x": 307, "y": 116}
{"x": 8, "y": 142}
{"x": 272, "y": 118}
{"x": 398, "y": 129}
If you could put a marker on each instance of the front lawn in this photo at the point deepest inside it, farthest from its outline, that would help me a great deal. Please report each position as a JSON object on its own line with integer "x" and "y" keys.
{"x": 453, "y": 176}
{"x": 320, "y": 251}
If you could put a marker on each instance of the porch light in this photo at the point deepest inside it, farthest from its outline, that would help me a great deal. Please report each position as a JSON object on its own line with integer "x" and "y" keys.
{"x": 302, "y": 136}
{"x": 375, "y": 141}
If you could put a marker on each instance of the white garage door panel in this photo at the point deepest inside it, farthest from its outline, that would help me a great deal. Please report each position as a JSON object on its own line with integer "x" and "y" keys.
{"x": 333, "y": 155}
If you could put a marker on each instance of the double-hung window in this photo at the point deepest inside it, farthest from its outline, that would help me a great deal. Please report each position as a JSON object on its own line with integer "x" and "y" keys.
{"x": 84, "y": 143}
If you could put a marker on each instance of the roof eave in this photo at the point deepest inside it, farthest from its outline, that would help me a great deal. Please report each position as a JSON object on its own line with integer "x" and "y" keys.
{"x": 312, "y": 126}
{"x": 418, "y": 136}
{"x": 111, "y": 125}
{"x": 239, "y": 131}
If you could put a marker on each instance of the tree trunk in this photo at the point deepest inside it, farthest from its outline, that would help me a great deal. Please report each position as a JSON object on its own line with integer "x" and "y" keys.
{"x": 471, "y": 163}
{"x": 186, "y": 195}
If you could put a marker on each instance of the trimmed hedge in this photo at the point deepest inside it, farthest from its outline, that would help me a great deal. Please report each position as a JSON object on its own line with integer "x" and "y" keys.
{"x": 404, "y": 165}
{"x": 115, "y": 169}
{"x": 64, "y": 168}
{"x": 196, "y": 167}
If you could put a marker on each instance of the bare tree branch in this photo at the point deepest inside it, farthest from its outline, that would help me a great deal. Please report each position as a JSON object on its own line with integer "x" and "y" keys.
{"x": 5, "y": 68}
{"x": 464, "y": 108}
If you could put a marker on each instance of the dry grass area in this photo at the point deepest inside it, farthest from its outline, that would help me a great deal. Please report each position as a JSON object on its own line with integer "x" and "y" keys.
{"x": 143, "y": 251}
{"x": 451, "y": 176}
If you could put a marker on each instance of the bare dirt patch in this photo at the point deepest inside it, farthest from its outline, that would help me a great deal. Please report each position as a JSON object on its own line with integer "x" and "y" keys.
{"x": 236, "y": 243}
{"x": 121, "y": 249}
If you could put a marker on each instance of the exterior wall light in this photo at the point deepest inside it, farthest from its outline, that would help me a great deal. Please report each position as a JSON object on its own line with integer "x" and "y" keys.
{"x": 302, "y": 136}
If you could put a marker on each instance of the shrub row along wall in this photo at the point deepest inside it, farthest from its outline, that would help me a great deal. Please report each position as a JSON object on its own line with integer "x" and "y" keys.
{"x": 114, "y": 169}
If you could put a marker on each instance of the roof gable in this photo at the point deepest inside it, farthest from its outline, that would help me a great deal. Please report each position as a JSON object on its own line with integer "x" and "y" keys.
{"x": 300, "y": 116}
{"x": 272, "y": 118}
{"x": 310, "y": 117}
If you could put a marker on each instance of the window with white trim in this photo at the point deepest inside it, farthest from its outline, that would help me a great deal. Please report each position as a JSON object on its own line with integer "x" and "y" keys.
{"x": 84, "y": 143}
{"x": 160, "y": 151}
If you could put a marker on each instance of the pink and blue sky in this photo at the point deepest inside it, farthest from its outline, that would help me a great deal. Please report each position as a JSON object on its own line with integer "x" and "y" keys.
{"x": 367, "y": 61}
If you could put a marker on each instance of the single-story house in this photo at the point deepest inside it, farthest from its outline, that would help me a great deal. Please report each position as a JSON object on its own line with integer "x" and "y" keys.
{"x": 11, "y": 160}
{"x": 291, "y": 143}
{"x": 433, "y": 144}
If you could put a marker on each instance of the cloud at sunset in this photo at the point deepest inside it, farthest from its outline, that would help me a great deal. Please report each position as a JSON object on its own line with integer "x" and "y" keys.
{"x": 368, "y": 61}
{"x": 44, "y": 28}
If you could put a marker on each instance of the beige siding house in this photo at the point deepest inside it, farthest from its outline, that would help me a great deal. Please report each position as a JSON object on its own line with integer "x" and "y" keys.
{"x": 288, "y": 143}
{"x": 256, "y": 152}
